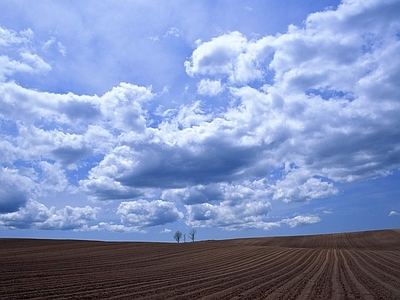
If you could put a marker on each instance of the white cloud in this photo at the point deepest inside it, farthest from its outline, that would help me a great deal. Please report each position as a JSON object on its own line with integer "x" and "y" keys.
{"x": 154, "y": 38}
{"x": 31, "y": 64}
{"x": 21, "y": 104}
{"x": 37, "y": 215}
{"x": 122, "y": 107}
{"x": 105, "y": 226}
{"x": 11, "y": 37}
{"x": 228, "y": 216}
{"x": 61, "y": 48}
{"x": 301, "y": 220}
{"x": 393, "y": 213}
{"x": 53, "y": 178}
{"x": 36, "y": 63}
{"x": 48, "y": 43}
{"x": 19, "y": 59}
{"x": 232, "y": 193}
{"x": 69, "y": 218}
{"x": 102, "y": 184}
{"x": 166, "y": 230}
{"x": 71, "y": 127}
{"x": 297, "y": 185}
{"x": 227, "y": 206}
{"x": 53, "y": 41}
{"x": 141, "y": 214}
{"x": 246, "y": 215}
{"x": 191, "y": 115}
{"x": 173, "y": 31}
{"x": 232, "y": 56}
{"x": 193, "y": 194}
{"x": 209, "y": 87}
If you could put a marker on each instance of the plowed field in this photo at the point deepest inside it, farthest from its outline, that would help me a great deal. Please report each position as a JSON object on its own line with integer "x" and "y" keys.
{"x": 364, "y": 265}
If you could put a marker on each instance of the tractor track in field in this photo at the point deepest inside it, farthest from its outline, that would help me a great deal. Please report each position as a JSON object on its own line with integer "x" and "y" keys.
{"x": 361, "y": 265}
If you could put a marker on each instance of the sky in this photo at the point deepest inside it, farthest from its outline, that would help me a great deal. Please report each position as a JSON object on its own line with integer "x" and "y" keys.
{"x": 130, "y": 120}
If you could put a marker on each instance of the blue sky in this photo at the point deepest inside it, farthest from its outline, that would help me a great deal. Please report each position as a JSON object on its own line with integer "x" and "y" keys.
{"x": 131, "y": 120}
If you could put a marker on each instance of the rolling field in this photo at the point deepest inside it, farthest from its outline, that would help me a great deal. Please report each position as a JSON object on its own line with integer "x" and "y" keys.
{"x": 363, "y": 265}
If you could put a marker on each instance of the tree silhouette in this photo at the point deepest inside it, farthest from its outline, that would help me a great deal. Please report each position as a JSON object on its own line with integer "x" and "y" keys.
{"x": 177, "y": 236}
{"x": 192, "y": 234}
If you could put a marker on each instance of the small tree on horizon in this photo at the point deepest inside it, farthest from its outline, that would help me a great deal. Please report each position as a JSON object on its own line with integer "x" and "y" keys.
{"x": 192, "y": 234}
{"x": 177, "y": 236}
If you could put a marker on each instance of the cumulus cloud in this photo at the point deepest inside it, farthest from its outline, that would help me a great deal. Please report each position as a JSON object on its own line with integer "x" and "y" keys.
{"x": 246, "y": 215}
{"x": 37, "y": 215}
{"x": 69, "y": 218}
{"x": 234, "y": 193}
{"x": 53, "y": 179}
{"x": 298, "y": 185}
{"x": 230, "y": 55}
{"x": 142, "y": 213}
{"x": 70, "y": 127}
{"x": 122, "y": 107}
{"x": 229, "y": 206}
{"x": 194, "y": 194}
{"x": 175, "y": 163}
{"x": 228, "y": 216}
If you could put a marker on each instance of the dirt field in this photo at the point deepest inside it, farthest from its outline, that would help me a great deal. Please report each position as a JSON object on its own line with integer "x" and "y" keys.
{"x": 363, "y": 265}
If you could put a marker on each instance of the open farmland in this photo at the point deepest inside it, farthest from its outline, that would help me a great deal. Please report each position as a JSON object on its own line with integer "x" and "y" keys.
{"x": 363, "y": 265}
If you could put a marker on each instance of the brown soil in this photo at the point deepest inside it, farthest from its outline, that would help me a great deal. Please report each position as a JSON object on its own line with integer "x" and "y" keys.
{"x": 363, "y": 265}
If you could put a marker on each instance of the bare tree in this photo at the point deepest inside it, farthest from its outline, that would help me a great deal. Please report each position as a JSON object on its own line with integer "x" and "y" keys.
{"x": 178, "y": 236}
{"x": 192, "y": 234}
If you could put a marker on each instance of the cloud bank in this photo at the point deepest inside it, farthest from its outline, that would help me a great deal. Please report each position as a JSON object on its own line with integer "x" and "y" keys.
{"x": 307, "y": 109}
